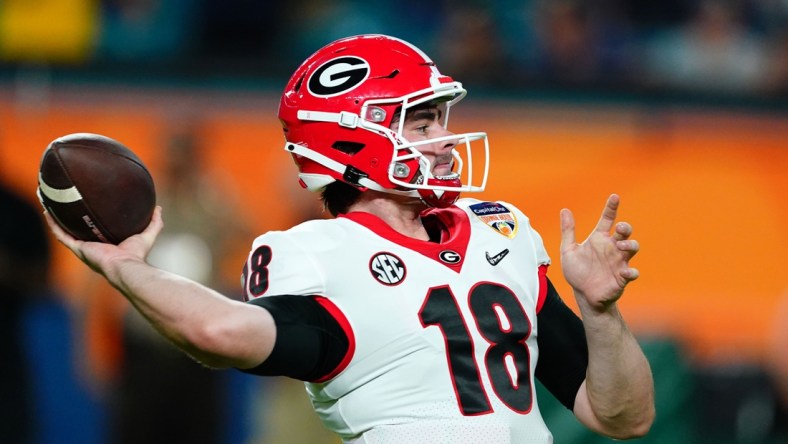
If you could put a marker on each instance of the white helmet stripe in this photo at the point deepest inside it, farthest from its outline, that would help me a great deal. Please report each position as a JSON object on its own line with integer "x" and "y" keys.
{"x": 415, "y": 49}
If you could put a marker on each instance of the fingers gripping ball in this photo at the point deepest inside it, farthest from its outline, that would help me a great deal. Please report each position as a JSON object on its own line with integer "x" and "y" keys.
{"x": 95, "y": 188}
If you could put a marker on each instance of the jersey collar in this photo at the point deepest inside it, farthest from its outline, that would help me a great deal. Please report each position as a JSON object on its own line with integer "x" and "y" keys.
{"x": 454, "y": 239}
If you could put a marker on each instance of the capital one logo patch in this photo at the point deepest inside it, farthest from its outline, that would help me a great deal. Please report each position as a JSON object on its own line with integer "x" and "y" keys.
{"x": 338, "y": 76}
{"x": 387, "y": 268}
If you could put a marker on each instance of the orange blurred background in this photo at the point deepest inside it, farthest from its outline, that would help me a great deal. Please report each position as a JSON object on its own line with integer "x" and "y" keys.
{"x": 704, "y": 189}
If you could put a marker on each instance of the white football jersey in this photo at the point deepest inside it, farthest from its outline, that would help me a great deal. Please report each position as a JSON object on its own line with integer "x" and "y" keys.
{"x": 442, "y": 335}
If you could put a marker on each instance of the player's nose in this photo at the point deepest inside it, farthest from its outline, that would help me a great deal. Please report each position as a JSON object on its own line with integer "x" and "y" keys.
{"x": 449, "y": 144}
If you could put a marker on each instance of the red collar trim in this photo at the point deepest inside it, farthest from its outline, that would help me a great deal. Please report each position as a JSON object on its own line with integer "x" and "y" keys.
{"x": 454, "y": 239}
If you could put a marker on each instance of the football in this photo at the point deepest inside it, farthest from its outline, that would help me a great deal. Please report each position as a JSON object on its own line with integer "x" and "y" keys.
{"x": 95, "y": 188}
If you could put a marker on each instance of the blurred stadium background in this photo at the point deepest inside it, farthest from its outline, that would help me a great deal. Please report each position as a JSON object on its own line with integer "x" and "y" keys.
{"x": 681, "y": 107}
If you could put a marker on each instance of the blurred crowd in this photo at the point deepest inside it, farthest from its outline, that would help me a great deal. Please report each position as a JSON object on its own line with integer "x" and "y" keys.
{"x": 697, "y": 48}
{"x": 718, "y": 47}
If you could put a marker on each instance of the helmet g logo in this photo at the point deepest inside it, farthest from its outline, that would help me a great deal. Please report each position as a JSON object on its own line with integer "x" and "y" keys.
{"x": 338, "y": 76}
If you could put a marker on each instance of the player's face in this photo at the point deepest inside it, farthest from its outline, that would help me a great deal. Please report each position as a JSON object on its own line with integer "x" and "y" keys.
{"x": 427, "y": 123}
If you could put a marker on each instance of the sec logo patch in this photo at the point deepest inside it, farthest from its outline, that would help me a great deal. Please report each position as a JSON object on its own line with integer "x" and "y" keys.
{"x": 387, "y": 268}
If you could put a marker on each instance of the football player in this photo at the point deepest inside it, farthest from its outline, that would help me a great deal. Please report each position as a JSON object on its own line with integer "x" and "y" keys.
{"x": 412, "y": 315}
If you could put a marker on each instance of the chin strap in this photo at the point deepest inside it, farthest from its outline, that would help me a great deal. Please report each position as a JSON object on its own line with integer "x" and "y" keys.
{"x": 349, "y": 173}
{"x": 431, "y": 197}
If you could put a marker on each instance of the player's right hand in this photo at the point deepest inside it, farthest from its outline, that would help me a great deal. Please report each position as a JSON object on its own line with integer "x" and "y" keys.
{"x": 102, "y": 256}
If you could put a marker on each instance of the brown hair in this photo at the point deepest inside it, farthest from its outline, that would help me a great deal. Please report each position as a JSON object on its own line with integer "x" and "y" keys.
{"x": 338, "y": 196}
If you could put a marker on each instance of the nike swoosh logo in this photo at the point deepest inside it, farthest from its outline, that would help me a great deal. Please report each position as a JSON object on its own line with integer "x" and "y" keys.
{"x": 493, "y": 260}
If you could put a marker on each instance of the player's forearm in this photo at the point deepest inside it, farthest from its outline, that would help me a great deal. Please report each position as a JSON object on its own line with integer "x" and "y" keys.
{"x": 210, "y": 327}
{"x": 619, "y": 384}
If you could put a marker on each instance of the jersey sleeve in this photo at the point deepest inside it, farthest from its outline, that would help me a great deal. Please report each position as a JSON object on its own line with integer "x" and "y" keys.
{"x": 277, "y": 265}
{"x": 539, "y": 250}
{"x": 541, "y": 258}
{"x": 525, "y": 228}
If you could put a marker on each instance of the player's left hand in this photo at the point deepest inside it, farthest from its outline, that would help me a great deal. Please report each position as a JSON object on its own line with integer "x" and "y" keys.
{"x": 598, "y": 269}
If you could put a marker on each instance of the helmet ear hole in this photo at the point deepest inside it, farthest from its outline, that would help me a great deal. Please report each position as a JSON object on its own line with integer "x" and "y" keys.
{"x": 298, "y": 84}
{"x": 392, "y": 74}
{"x": 347, "y": 146}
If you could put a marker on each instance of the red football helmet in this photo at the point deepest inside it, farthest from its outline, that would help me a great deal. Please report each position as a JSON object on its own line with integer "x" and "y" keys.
{"x": 338, "y": 107}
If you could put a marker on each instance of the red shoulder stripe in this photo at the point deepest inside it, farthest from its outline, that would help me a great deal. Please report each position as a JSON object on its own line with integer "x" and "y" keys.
{"x": 542, "y": 287}
{"x": 351, "y": 339}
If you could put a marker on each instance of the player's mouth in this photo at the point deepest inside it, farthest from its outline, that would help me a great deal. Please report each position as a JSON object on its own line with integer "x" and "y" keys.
{"x": 443, "y": 165}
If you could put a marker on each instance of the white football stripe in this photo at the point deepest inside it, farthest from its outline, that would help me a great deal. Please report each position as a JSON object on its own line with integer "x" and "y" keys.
{"x": 60, "y": 196}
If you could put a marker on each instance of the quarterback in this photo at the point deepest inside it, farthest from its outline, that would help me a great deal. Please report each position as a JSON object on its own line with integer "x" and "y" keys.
{"x": 412, "y": 315}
